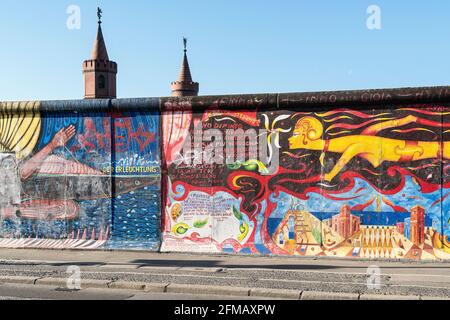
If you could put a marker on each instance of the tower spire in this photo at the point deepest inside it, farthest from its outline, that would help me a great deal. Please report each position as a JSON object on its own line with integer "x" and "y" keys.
{"x": 99, "y": 72}
{"x": 99, "y": 15}
{"x": 99, "y": 51}
{"x": 185, "y": 86}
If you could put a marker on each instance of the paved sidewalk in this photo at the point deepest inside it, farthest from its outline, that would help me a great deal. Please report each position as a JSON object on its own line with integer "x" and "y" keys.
{"x": 226, "y": 275}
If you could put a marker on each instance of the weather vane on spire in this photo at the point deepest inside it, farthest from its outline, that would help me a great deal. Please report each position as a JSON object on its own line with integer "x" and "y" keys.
{"x": 185, "y": 44}
{"x": 99, "y": 15}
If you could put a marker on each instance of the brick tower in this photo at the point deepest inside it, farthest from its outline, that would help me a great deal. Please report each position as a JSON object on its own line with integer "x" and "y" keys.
{"x": 99, "y": 72}
{"x": 185, "y": 86}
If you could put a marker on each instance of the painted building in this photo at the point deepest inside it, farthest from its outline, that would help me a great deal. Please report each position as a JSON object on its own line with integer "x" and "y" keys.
{"x": 345, "y": 224}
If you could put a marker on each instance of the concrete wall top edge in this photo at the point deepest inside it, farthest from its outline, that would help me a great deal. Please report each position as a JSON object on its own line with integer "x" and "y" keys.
{"x": 90, "y": 105}
{"x": 358, "y": 99}
{"x": 374, "y": 98}
{"x": 75, "y": 105}
{"x": 136, "y": 104}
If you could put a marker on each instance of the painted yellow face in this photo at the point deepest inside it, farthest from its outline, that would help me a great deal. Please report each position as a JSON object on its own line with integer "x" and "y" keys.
{"x": 306, "y": 130}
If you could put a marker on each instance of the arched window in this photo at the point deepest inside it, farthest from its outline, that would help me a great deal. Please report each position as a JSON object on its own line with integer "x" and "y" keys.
{"x": 101, "y": 82}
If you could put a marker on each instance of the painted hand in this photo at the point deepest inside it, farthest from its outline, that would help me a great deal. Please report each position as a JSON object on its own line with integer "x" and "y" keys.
{"x": 63, "y": 136}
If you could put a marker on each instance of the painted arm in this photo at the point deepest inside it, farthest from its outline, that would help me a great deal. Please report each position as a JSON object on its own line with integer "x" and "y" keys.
{"x": 59, "y": 140}
{"x": 373, "y": 130}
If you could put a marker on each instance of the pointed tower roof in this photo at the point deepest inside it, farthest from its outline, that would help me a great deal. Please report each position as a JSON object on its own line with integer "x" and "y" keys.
{"x": 99, "y": 51}
{"x": 185, "y": 86}
{"x": 185, "y": 72}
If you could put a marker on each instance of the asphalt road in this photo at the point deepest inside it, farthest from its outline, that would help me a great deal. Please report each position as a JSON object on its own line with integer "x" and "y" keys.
{"x": 31, "y": 292}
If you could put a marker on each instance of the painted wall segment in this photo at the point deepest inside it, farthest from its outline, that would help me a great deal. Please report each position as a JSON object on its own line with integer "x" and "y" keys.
{"x": 349, "y": 183}
{"x": 358, "y": 174}
{"x": 81, "y": 179}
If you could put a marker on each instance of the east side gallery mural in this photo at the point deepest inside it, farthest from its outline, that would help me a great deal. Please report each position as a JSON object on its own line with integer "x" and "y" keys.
{"x": 348, "y": 183}
{"x": 341, "y": 182}
{"x": 87, "y": 180}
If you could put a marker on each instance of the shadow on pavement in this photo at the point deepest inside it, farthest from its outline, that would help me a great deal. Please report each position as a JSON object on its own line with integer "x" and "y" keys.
{"x": 220, "y": 264}
{"x": 81, "y": 264}
{"x": 322, "y": 266}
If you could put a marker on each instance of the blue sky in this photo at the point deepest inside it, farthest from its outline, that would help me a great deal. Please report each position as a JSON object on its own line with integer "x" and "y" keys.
{"x": 235, "y": 46}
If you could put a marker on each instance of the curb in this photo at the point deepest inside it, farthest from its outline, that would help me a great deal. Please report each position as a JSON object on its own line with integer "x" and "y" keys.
{"x": 18, "y": 280}
{"x": 61, "y": 282}
{"x": 317, "y": 295}
{"x": 214, "y": 290}
{"x": 381, "y": 297}
{"x": 146, "y": 287}
{"x": 208, "y": 290}
{"x": 276, "y": 293}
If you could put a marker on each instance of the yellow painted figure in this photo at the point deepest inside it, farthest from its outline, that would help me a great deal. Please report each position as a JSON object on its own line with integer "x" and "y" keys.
{"x": 309, "y": 131}
{"x": 20, "y": 126}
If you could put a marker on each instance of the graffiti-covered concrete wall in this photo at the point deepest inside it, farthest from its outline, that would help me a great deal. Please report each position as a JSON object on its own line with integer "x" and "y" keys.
{"x": 357, "y": 174}
{"x": 79, "y": 174}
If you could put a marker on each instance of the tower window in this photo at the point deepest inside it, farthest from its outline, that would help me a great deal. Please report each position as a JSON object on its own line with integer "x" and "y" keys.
{"x": 101, "y": 82}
